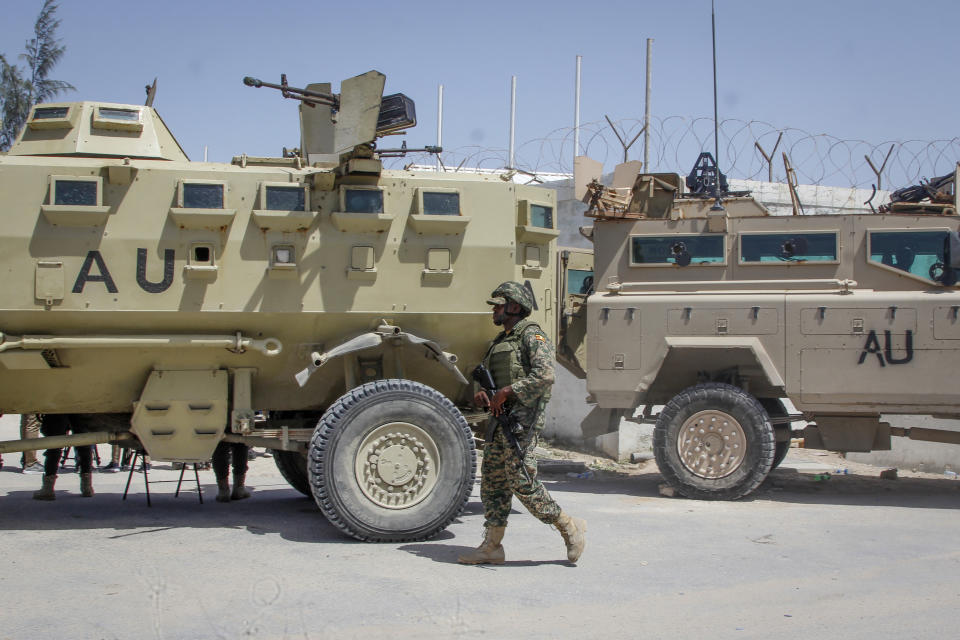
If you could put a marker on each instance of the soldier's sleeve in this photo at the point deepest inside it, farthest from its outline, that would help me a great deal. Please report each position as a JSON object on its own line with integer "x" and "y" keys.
{"x": 540, "y": 353}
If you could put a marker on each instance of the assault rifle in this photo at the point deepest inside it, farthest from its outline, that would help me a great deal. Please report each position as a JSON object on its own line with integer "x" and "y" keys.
{"x": 507, "y": 422}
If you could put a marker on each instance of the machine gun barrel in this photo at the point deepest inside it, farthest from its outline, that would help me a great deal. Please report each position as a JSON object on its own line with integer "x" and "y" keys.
{"x": 306, "y": 96}
{"x": 403, "y": 151}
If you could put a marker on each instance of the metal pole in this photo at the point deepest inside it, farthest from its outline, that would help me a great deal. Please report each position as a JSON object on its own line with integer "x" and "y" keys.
{"x": 717, "y": 206}
{"x": 513, "y": 115}
{"x": 646, "y": 111}
{"x": 439, "y": 123}
{"x": 59, "y": 442}
{"x": 576, "y": 111}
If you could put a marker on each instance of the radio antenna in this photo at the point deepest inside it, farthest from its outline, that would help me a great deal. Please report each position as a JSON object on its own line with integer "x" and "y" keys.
{"x": 717, "y": 205}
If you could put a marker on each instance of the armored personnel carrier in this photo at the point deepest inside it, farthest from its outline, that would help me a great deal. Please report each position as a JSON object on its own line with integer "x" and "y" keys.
{"x": 710, "y": 306}
{"x": 163, "y": 302}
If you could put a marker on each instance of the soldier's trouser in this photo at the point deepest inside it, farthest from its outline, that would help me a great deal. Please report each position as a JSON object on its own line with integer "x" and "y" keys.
{"x": 222, "y": 455}
{"x": 29, "y": 429}
{"x": 58, "y": 425}
{"x": 501, "y": 479}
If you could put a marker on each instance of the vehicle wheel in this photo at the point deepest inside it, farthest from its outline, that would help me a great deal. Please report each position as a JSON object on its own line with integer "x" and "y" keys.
{"x": 293, "y": 468}
{"x": 775, "y": 408}
{"x": 780, "y": 452}
{"x": 392, "y": 460}
{"x": 714, "y": 441}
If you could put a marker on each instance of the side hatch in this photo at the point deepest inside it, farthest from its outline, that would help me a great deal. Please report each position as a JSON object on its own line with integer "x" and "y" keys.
{"x": 575, "y": 283}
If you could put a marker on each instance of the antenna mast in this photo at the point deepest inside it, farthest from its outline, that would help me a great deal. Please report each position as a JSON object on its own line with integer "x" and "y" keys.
{"x": 717, "y": 206}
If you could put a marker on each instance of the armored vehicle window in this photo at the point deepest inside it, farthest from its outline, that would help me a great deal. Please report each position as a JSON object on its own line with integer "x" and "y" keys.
{"x": 677, "y": 249}
{"x": 758, "y": 248}
{"x": 579, "y": 281}
{"x": 75, "y": 192}
{"x": 541, "y": 216}
{"x": 50, "y": 118}
{"x": 47, "y": 113}
{"x": 130, "y": 115}
{"x": 117, "y": 119}
{"x": 919, "y": 253}
{"x": 441, "y": 204}
{"x": 363, "y": 201}
{"x": 202, "y": 196}
{"x": 285, "y": 198}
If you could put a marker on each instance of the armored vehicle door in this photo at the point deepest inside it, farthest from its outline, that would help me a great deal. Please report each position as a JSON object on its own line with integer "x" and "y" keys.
{"x": 575, "y": 285}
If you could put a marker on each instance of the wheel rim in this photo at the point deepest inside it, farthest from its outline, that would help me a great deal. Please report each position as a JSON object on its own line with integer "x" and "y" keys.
{"x": 396, "y": 465}
{"x": 712, "y": 444}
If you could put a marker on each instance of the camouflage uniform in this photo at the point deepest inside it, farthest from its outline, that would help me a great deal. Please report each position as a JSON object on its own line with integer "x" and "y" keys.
{"x": 523, "y": 358}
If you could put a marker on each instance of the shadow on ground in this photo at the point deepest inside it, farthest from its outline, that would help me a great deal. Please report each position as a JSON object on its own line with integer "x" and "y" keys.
{"x": 787, "y": 485}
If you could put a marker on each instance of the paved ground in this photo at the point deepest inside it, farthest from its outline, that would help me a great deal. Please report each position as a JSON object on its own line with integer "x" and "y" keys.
{"x": 849, "y": 557}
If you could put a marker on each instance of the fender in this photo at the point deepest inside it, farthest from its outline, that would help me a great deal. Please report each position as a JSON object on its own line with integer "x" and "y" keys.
{"x": 751, "y": 344}
{"x": 374, "y": 339}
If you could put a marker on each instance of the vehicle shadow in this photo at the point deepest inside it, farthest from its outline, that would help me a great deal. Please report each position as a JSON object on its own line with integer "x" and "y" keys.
{"x": 787, "y": 485}
{"x": 281, "y": 511}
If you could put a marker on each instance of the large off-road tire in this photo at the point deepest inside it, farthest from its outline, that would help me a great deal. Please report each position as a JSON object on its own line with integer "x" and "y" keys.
{"x": 775, "y": 409}
{"x": 714, "y": 441}
{"x": 392, "y": 460}
{"x": 293, "y": 468}
{"x": 780, "y": 451}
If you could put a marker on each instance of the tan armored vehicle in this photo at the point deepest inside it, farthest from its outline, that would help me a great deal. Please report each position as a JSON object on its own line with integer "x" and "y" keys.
{"x": 719, "y": 310}
{"x": 164, "y": 302}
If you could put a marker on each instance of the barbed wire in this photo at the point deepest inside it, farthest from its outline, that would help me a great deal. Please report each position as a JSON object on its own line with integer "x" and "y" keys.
{"x": 676, "y": 141}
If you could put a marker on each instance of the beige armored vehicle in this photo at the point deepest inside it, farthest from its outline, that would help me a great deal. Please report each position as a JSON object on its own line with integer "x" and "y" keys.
{"x": 164, "y": 302}
{"x": 707, "y": 304}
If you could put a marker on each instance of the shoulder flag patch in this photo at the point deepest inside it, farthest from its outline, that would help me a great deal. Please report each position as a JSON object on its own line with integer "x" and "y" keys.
{"x": 538, "y": 337}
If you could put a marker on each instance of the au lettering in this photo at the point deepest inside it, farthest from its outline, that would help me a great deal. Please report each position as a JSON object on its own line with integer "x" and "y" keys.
{"x": 95, "y": 259}
{"x": 885, "y": 353}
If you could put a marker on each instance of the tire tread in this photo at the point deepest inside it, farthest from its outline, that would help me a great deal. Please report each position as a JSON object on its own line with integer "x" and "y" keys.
{"x": 330, "y": 423}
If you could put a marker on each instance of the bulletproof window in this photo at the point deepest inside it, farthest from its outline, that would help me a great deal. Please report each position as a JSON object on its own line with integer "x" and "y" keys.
{"x": 441, "y": 204}
{"x": 285, "y": 198}
{"x": 802, "y": 248}
{"x": 128, "y": 115}
{"x": 363, "y": 201}
{"x": 541, "y": 216}
{"x": 924, "y": 254}
{"x": 678, "y": 249}
{"x": 52, "y": 117}
{"x": 202, "y": 196}
{"x": 117, "y": 119}
{"x": 82, "y": 193}
{"x": 49, "y": 113}
{"x": 579, "y": 281}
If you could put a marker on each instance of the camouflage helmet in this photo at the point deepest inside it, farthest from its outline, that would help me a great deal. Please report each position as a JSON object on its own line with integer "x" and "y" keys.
{"x": 512, "y": 291}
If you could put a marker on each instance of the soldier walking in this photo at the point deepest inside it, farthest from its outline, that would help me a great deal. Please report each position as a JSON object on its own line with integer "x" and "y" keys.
{"x": 520, "y": 360}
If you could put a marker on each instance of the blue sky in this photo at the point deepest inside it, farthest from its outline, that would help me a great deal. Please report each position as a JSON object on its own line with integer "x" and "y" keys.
{"x": 869, "y": 70}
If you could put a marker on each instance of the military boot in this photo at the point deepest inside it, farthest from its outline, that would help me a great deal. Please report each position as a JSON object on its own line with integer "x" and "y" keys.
{"x": 46, "y": 492}
{"x": 239, "y": 491}
{"x": 223, "y": 489}
{"x": 572, "y": 530}
{"x": 490, "y": 550}
{"x": 86, "y": 485}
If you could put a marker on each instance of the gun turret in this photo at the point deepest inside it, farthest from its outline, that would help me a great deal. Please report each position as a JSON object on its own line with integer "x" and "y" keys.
{"x": 337, "y": 123}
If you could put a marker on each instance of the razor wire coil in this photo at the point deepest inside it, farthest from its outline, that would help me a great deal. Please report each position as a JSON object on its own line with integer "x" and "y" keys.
{"x": 675, "y": 142}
